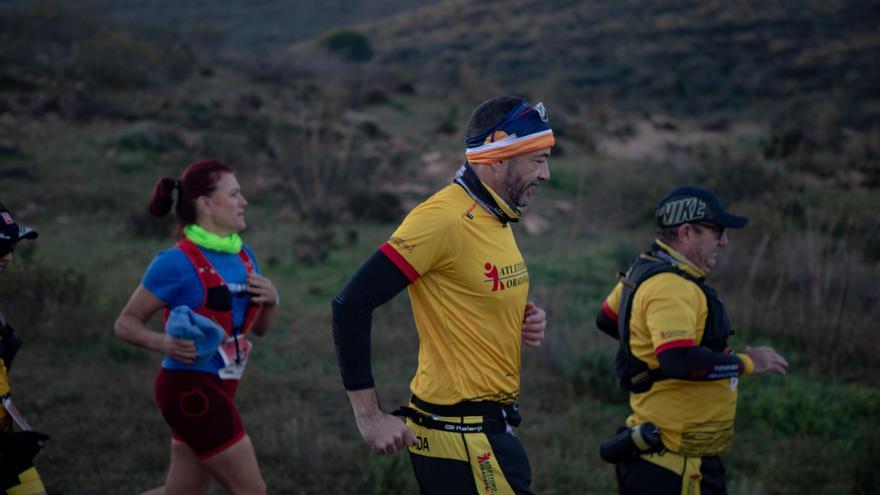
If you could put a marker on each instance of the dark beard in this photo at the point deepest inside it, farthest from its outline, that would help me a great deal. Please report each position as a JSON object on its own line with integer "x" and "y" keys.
{"x": 515, "y": 189}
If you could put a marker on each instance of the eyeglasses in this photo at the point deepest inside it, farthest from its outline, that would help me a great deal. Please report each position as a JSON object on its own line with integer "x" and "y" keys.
{"x": 718, "y": 229}
{"x": 6, "y": 249}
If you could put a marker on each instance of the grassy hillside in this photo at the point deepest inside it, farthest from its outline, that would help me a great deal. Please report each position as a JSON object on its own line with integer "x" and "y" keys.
{"x": 682, "y": 56}
{"x": 331, "y": 152}
{"x": 239, "y": 25}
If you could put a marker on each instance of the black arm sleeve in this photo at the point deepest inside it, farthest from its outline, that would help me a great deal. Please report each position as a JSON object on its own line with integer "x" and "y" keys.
{"x": 699, "y": 364}
{"x": 606, "y": 324}
{"x": 374, "y": 284}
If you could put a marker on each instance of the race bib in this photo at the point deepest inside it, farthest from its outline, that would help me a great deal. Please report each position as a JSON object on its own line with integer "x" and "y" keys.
{"x": 234, "y": 351}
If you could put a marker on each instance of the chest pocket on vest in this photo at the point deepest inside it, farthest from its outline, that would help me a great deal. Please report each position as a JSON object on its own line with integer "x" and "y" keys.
{"x": 219, "y": 298}
{"x": 717, "y": 324}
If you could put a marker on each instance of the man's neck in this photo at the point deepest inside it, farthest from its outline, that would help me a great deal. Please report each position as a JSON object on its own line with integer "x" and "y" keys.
{"x": 491, "y": 179}
{"x": 681, "y": 252}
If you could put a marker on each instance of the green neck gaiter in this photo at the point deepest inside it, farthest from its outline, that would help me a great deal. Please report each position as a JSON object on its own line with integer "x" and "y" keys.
{"x": 230, "y": 244}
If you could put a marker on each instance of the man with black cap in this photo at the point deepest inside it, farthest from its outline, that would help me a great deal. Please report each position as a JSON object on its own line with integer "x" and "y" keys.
{"x": 673, "y": 356}
{"x": 17, "y": 448}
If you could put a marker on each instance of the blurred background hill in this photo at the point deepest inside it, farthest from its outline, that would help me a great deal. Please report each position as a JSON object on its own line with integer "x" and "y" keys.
{"x": 339, "y": 116}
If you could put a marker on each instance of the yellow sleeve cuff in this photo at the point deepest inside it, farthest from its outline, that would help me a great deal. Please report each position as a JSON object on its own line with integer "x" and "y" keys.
{"x": 748, "y": 364}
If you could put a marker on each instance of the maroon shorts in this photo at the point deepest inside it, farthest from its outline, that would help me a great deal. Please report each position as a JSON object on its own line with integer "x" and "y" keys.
{"x": 199, "y": 408}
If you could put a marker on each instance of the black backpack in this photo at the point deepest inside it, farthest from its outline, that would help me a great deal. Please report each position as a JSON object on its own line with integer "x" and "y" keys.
{"x": 633, "y": 374}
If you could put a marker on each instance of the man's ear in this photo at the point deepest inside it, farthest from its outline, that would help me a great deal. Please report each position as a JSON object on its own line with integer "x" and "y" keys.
{"x": 684, "y": 231}
{"x": 498, "y": 166}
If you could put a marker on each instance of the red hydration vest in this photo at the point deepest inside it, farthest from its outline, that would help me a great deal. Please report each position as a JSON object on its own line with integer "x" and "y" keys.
{"x": 217, "y": 301}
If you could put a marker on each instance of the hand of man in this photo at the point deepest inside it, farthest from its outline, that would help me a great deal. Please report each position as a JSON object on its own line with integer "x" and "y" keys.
{"x": 766, "y": 360}
{"x": 384, "y": 433}
{"x": 533, "y": 325}
{"x": 262, "y": 290}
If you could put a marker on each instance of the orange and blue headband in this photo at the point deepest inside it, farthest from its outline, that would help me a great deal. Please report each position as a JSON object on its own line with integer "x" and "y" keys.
{"x": 524, "y": 130}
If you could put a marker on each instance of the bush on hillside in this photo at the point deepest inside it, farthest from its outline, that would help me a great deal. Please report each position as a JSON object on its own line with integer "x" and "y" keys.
{"x": 146, "y": 136}
{"x": 327, "y": 164}
{"x": 349, "y": 45}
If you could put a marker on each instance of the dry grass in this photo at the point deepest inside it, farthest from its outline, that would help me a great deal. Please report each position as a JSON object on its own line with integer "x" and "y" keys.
{"x": 811, "y": 285}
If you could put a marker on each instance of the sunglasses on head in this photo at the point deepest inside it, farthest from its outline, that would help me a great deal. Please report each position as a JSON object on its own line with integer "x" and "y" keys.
{"x": 523, "y": 109}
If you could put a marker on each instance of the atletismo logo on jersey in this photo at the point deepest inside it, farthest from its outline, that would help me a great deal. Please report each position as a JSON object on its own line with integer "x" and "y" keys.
{"x": 485, "y": 464}
{"x": 507, "y": 277}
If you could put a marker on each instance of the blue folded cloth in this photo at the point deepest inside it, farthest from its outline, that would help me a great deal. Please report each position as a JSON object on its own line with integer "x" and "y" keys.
{"x": 184, "y": 323}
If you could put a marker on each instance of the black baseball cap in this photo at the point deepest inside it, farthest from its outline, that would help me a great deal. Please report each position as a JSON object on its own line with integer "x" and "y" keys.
{"x": 12, "y": 232}
{"x": 688, "y": 204}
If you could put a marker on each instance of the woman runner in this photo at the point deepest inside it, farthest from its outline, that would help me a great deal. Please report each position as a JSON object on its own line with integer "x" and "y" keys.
{"x": 212, "y": 273}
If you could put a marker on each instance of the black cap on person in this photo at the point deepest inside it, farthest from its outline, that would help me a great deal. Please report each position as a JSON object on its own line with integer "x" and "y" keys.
{"x": 688, "y": 204}
{"x": 11, "y": 231}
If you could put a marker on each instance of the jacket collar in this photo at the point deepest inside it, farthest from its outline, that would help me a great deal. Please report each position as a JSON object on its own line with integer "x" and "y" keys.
{"x": 668, "y": 254}
{"x": 480, "y": 192}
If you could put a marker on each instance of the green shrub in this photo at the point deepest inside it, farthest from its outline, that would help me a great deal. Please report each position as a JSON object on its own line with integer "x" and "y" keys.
{"x": 593, "y": 373}
{"x": 134, "y": 161}
{"x": 796, "y": 405}
{"x": 146, "y": 136}
{"x": 350, "y": 45}
{"x": 803, "y": 434}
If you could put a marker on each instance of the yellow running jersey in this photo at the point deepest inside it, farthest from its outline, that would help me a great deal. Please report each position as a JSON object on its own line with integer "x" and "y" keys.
{"x": 5, "y": 419}
{"x": 468, "y": 293}
{"x": 695, "y": 417}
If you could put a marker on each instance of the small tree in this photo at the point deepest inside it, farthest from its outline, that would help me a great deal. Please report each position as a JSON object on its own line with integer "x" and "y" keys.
{"x": 323, "y": 163}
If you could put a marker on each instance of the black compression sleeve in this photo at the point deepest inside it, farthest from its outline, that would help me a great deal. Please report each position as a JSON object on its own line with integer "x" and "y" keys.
{"x": 606, "y": 324}
{"x": 699, "y": 364}
{"x": 374, "y": 284}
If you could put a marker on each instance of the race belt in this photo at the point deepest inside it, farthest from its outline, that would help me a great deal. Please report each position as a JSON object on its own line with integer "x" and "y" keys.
{"x": 489, "y": 425}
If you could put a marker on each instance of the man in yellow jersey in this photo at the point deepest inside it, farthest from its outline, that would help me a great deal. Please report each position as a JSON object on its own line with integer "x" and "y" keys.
{"x": 469, "y": 286}
{"x": 17, "y": 448}
{"x": 673, "y": 355}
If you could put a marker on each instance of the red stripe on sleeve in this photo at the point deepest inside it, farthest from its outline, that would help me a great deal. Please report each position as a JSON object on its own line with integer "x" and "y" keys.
{"x": 608, "y": 311}
{"x": 399, "y": 261}
{"x": 675, "y": 344}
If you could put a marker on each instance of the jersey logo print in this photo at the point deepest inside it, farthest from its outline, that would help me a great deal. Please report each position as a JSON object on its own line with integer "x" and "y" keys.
{"x": 489, "y": 485}
{"x": 401, "y": 243}
{"x": 507, "y": 277}
{"x": 492, "y": 273}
